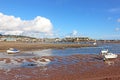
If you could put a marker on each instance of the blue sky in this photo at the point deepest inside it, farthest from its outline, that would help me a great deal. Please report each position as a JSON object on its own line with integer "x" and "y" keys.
{"x": 98, "y": 19}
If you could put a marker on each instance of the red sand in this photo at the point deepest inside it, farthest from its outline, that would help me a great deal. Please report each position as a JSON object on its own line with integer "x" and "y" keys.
{"x": 37, "y": 46}
{"x": 75, "y": 67}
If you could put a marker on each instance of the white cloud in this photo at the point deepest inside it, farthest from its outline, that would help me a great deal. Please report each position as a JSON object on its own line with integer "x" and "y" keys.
{"x": 118, "y": 20}
{"x": 9, "y": 22}
{"x": 13, "y": 32}
{"x": 114, "y": 10}
{"x": 117, "y": 29}
{"x": 74, "y": 33}
{"x": 14, "y": 25}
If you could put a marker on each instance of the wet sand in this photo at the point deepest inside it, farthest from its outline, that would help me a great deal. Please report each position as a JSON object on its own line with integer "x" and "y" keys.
{"x": 35, "y": 46}
{"x": 74, "y": 67}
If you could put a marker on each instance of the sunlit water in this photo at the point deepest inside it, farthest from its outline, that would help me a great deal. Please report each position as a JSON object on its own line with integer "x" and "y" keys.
{"x": 114, "y": 48}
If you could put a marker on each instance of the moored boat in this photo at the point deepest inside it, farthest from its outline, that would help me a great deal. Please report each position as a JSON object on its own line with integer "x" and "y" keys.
{"x": 110, "y": 56}
{"x": 12, "y": 50}
{"x": 104, "y": 51}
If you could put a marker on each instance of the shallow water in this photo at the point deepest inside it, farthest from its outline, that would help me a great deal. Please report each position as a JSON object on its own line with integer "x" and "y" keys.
{"x": 114, "y": 48}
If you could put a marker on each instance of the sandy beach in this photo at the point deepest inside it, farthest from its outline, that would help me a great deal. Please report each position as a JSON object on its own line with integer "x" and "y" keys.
{"x": 37, "y": 46}
{"x": 74, "y": 67}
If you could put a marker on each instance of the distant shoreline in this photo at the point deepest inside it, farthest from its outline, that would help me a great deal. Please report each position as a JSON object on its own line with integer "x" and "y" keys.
{"x": 38, "y": 46}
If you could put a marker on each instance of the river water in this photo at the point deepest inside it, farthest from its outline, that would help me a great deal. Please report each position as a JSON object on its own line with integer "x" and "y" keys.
{"x": 114, "y": 48}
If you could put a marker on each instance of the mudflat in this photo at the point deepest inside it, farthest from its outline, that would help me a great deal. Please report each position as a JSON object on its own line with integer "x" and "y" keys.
{"x": 35, "y": 46}
{"x": 74, "y": 67}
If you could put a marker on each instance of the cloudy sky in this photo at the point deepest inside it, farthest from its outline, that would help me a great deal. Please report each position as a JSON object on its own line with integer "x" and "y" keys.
{"x": 98, "y": 19}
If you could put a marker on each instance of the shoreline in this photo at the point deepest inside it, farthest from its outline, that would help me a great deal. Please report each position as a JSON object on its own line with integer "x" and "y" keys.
{"x": 38, "y": 46}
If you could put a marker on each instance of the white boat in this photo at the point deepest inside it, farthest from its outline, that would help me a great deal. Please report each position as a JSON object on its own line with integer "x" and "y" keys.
{"x": 94, "y": 43}
{"x": 104, "y": 51}
{"x": 110, "y": 56}
{"x": 12, "y": 50}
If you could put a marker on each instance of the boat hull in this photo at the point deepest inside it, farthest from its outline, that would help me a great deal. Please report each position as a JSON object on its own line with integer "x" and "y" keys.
{"x": 12, "y": 52}
{"x": 111, "y": 56}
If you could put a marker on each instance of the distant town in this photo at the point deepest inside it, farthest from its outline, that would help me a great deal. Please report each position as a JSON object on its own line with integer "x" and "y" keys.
{"x": 19, "y": 38}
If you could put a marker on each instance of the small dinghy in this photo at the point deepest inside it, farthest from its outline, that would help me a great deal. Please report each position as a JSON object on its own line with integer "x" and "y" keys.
{"x": 12, "y": 51}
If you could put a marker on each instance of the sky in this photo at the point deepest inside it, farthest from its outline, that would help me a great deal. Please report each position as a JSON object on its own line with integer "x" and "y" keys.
{"x": 97, "y": 19}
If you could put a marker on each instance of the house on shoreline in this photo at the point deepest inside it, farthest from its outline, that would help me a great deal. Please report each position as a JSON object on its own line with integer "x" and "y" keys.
{"x": 31, "y": 39}
{"x": 16, "y": 38}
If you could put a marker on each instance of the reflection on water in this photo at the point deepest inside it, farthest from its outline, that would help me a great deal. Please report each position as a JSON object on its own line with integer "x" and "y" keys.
{"x": 46, "y": 52}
